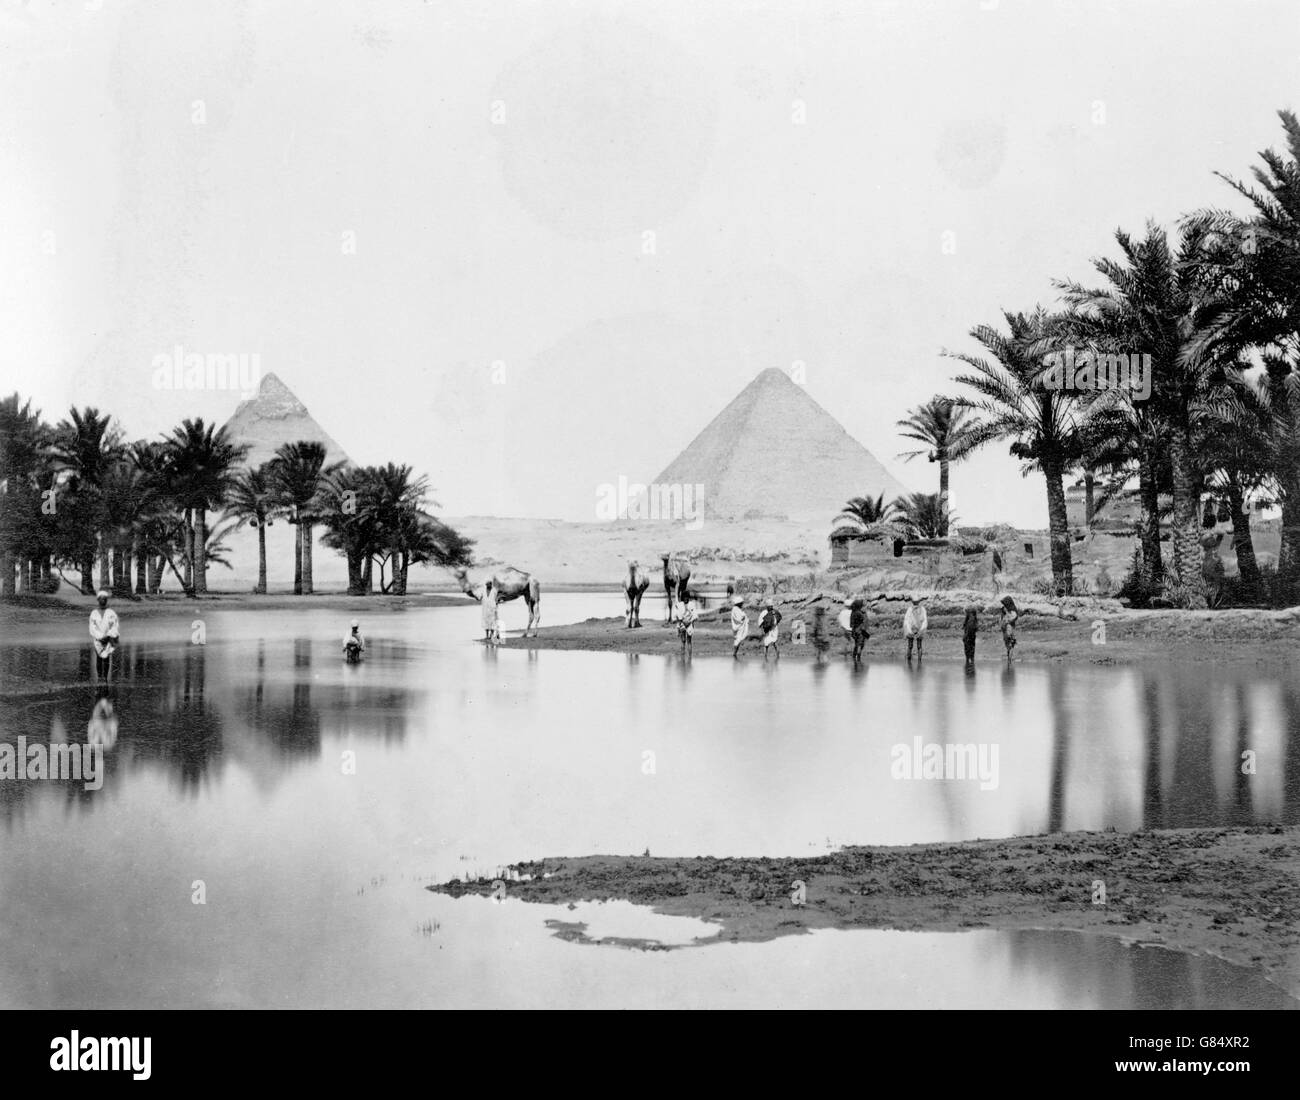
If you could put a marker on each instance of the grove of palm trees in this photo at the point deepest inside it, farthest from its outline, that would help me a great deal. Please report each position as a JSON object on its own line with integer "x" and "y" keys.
{"x": 82, "y": 505}
{"x": 1213, "y": 305}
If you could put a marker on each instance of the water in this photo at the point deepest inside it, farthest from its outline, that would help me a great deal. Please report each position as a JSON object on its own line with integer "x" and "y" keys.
{"x": 230, "y": 769}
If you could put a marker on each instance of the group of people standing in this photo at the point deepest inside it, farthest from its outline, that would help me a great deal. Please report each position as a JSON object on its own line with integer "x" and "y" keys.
{"x": 854, "y": 621}
{"x": 769, "y": 625}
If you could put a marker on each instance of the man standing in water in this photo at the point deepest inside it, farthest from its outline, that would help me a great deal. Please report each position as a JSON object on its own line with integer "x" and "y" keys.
{"x": 915, "y": 622}
{"x": 1008, "y": 613}
{"x": 354, "y": 644}
{"x": 769, "y": 626}
{"x": 686, "y": 625}
{"x": 858, "y": 628}
{"x": 970, "y": 627}
{"x": 104, "y": 637}
{"x": 739, "y": 625}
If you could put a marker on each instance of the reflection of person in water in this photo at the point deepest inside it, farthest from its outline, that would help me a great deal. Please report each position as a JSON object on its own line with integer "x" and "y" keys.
{"x": 104, "y": 637}
{"x": 102, "y": 727}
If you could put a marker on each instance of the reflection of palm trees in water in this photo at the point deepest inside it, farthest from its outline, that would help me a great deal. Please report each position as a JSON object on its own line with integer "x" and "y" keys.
{"x": 194, "y": 739}
{"x": 1096, "y": 971}
{"x": 1153, "y": 809}
{"x": 293, "y": 729}
{"x": 1056, "y": 688}
{"x": 1290, "y": 703}
{"x": 1243, "y": 809}
{"x": 1195, "y": 799}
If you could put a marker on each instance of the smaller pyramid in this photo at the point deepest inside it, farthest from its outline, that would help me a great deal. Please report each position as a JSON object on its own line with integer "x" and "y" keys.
{"x": 273, "y": 417}
{"x": 774, "y": 452}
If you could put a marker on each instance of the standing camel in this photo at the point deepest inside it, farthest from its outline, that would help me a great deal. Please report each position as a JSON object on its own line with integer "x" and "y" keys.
{"x": 509, "y": 583}
{"x": 635, "y": 582}
{"x": 676, "y": 576}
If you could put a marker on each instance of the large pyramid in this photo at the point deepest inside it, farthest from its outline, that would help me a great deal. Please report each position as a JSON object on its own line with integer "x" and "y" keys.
{"x": 775, "y": 452}
{"x": 273, "y": 417}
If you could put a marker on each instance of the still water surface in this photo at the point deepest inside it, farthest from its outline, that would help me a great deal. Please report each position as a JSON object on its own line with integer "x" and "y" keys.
{"x": 229, "y": 766}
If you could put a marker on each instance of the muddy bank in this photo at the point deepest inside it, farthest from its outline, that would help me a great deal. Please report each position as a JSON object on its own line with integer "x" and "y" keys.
{"x": 1231, "y": 893}
{"x": 1081, "y": 630}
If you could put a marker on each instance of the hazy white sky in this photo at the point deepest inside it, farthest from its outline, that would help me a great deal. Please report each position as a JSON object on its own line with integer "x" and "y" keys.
{"x": 529, "y": 247}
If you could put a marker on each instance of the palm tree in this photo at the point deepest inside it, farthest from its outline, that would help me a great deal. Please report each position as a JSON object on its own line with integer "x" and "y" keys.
{"x": 1256, "y": 269}
{"x": 923, "y": 515}
{"x": 298, "y": 473}
{"x": 348, "y": 506}
{"x": 948, "y": 434}
{"x": 130, "y": 499}
{"x": 22, "y": 462}
{"x": 201, "y": 462}
{"x": 1157, "y": 304}
{"x": 398, "y": 510}
{"x": 87, "y": 446}
{"x": 870, "y": 515}
{"x": 1236, "y": 444}
{"x": 251, "y": 502}
{"x": 1043, "y": 424}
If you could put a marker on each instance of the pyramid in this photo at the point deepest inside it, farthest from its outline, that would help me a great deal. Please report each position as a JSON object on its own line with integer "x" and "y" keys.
{"x": 273, "y": 417}
{"x": 774, "y": 452}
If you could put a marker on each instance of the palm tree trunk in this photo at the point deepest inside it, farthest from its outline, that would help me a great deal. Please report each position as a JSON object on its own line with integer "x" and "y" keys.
{"x": 306, "y": 529}
{"x": 7, "y": 581}
{"x": 24, "y": 576}
{"x": 87, "y": 567}
{"x": 1288, "y": 558}
{"x": 399, "y": 574}
{"x": 1089, "y": 497}
{"x": 943, "y": 498}
{"x": 354, "y": 573}
{"x": 1149, "y": 523}
{"x": 141, "y": 557}
{"x": 200, "y": 551}
{"x": 121, "y": 569}
{"x": 1247, "y": 566}
{"x": 154, "y": 572}
{"x": 297, "y": 558}
{"x": 103, "y": 560}
{"x": 1186, "y": 535}
{"x": 367, "y": 576}
{"x": 261, "y": 559}
{"x": 189, "y": 551}
{"x": 1058, "y": 529}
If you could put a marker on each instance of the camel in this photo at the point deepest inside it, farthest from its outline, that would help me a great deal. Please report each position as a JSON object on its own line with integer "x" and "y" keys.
{"x": 635, "y": 582}
{"x": 509, "y": 583}
{"x": 677, "y": 575}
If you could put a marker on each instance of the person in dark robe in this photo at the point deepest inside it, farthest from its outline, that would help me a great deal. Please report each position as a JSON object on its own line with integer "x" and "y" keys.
{"x": 858, "y": 629}
{"x": 969, "y": 628}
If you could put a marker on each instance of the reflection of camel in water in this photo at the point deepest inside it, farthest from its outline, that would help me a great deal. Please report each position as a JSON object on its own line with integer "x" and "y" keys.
{"x": 635, "y": 582}
{"x": 509, "y": 583}
{"x": 677, "y": 574}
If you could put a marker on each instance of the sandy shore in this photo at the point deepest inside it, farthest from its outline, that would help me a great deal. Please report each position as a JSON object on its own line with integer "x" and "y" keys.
{"x": 1258, "y": 638}
{"x": 1232, "y": 893}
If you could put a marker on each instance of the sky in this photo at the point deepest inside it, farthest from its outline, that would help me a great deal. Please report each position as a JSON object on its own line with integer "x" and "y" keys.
{"x": 529, "y": 248}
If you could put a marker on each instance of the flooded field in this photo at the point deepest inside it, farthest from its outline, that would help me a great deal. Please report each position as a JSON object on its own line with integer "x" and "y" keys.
{"x": 305, "y": 803}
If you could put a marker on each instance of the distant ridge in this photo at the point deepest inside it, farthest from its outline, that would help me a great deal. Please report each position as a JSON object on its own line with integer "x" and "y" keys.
{"x": 274, "y": 416}
{"x": 775, "y": 452}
